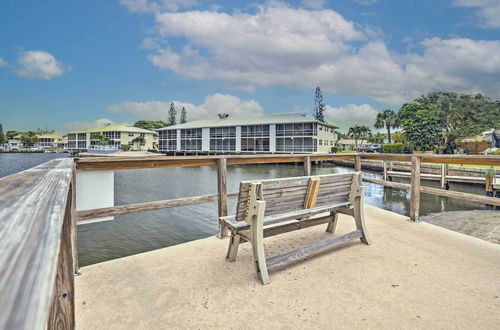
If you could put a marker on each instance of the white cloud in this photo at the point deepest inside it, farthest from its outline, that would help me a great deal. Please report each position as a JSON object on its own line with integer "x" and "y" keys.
{"x": 213, "y": 104}
{"x": 38, "y": 64}
{"x": 2, "y": 62}
{"x": 365, "y": 2}
{"x": 313, "y": 4}
{"x": 351, "y": 114}
{"x": 81, "y": 125}
{"x": 488, "y": 11}
{"x": 144, "y": 6}
{"x": 280, "y": 45}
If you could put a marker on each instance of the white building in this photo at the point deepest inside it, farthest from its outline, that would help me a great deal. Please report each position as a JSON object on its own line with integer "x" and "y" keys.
{"x": 282, "y": 133}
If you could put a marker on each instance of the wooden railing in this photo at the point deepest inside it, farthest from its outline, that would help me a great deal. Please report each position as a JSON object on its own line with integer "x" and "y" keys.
{"x": 37, "y": 247}
{"x": 38, "y": 221}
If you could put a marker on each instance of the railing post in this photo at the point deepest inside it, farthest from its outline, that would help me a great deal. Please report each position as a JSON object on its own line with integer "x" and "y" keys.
{"x": 307, "y": 166}
{"x": 62, "y": 311}
{"x": 385, "y": 170}
{"x": 357, "y": 163}
{"x": 222, "y": 194}
{"x": 415, "y": 188}
{"x": 444, "y": 173}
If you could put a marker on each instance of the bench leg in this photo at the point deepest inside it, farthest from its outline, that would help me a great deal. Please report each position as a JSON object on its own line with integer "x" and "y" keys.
{"x": 332, "y": 225}
{"x": 258, "y": 250}
{"x": 232, "y": 251}
{"x": 359, "y": 217}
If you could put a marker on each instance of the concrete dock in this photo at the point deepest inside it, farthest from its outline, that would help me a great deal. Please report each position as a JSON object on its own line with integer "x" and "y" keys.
{"x": 415, "y": 275}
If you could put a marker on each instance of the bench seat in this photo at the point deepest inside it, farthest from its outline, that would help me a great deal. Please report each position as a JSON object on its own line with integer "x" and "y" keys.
{"x": 271, "y": 207}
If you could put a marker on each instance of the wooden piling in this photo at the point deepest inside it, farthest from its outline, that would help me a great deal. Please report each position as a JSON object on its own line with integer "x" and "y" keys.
{"x": 444, "y": 174}
{"x": 415, "y": 188}
{"x": 357, "y": 163}
{"x": 222, "y": 193}
{"x": 385, "y": 169}
{"x": 307, "y": 166}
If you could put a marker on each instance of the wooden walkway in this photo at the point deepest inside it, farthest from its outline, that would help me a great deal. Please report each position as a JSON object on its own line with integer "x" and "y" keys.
{"x": 415, "y": 275}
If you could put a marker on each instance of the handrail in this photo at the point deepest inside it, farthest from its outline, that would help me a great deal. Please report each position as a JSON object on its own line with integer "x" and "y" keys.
{"x": 36, "y": 244}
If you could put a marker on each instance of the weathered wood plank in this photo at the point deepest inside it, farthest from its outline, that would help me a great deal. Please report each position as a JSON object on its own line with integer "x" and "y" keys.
{"x": 32, "y": 212}
{"x": 307, "y": 166}
{"x": 460, "y": 195}
{"x": 86, "y": 215}
{"x": 311, "y": 250}
{"x": 415, "y": 188}
{"x": 62, "y": 311}
{"x": 222, "y": 193}
{"x": 397, "y": 185}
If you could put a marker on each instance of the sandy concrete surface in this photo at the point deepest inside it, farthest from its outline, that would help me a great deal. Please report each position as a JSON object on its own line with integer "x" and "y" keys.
{"x": 415, "y": 275}
{"x": 478, "y": 223}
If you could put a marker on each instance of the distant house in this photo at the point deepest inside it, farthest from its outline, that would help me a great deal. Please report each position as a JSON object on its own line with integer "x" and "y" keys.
{"x": 281, "y": 133}
{"x": 49, "y": 141}
{"x": 348, "y": 144}
{"x": 15, "y": 143}
{"x": 116, "y": 135}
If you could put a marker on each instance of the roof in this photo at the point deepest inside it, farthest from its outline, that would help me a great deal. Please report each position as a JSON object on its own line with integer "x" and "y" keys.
{"x": 120, "y": 128}
{"x": 286, "y": 118}
{"x": 49, "y": 136}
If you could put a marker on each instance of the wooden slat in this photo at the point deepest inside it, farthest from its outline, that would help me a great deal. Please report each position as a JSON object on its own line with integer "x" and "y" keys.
{"x": 397, "y": 185}
{"x": 312, "y": 194}
{"x": 32, "y": 212}
{"x": 311, "y": 250}
{"x": 460, "y": 195}
{"x": 88, "y": 215}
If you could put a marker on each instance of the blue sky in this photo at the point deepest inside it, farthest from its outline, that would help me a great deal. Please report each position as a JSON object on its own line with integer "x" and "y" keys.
{"x": 76, "y": 64}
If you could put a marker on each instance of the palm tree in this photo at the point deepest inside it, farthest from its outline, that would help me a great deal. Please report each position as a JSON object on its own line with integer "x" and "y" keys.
{"x": 387, "y": 119}
{"x": 357, "y": 132}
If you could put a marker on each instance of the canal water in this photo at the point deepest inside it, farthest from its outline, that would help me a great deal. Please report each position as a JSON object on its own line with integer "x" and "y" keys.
{"x": 141, "y": 232}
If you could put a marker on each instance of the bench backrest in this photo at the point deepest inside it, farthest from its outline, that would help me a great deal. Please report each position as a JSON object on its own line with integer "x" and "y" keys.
{"x": 291, "y": 194}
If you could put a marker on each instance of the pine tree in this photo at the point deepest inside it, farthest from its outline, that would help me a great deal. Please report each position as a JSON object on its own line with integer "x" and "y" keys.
{"x": 183, "y": 116}
{"x": 319, "y": 106}
{"x": 172, "y": 114}
{"x": 3, "y": 138}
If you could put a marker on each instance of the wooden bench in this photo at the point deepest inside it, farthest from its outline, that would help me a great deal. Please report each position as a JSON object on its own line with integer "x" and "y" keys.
{"x": 301, "y": 202}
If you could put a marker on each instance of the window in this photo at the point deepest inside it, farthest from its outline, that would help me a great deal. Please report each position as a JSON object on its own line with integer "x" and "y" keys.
{"x": 142, "y": 135}
{"x": 300, "y": 129}
{"x": 288, "y": 144}
{"x": 82, "y": 136}
{"x": 71, "y": 136}
{"x": 255, "y": 144}
{"x": 167, "y": 140}
{"x": 320, "y": 142}
{"x": 130, "y": 134}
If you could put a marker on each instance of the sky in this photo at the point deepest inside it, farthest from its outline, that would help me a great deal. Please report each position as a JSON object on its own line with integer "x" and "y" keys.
{"x": 71, "y": 64}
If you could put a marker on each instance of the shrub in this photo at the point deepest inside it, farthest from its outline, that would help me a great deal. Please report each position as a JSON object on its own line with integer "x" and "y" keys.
{"x": 496, "y": 152}
{"x": 393, "y": 148}
{"x": 126, "y": 147}
{"x": 335, "y": 150}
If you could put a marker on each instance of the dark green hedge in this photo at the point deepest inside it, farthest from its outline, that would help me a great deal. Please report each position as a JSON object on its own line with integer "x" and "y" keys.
{"x": 393, "y": 148}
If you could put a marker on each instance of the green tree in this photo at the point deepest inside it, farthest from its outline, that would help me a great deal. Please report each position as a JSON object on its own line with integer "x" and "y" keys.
{"x": 137, "y": 141}
{"x": 99, "y": 138}
{"x": 150, "y": 124}
{"x": 319, "y": 105}
{"x": 45, "y": 130}
{"x": 3, "y": 138}
{"x": 183, "y": 116}
{"x": 422, "y": 127}
{"x": 461, "y": 115}
{"x": 172, "y": 114}
{"x": 387, "y": 119}
{"x": 29, "y": 139}
{"x": 11, "y": 134}
{"x": 399, "y": 137}
{"x": 376, "y": 138}
{"x": 358, "y": 132}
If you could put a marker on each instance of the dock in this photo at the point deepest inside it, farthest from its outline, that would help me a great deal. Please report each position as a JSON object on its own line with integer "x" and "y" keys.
{"x": 415, "y": 275}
